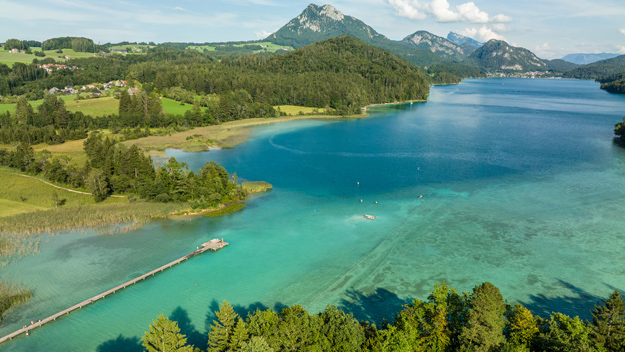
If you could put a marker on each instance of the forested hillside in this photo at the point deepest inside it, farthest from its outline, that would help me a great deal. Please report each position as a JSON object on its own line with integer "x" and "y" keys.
{"x": 342, "y": 73}
{"x": 614, "y": 83}
{"x": 598, "y": 69}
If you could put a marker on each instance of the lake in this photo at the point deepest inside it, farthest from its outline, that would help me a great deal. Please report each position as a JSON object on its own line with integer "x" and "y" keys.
{"x": 521, "y": 186}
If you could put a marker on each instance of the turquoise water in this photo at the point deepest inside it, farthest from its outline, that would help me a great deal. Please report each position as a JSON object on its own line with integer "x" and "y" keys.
{"x": 522, "y": 186}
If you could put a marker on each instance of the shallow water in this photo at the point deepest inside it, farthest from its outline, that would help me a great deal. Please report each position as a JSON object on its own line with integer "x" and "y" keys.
{"x": 521, "y": 185}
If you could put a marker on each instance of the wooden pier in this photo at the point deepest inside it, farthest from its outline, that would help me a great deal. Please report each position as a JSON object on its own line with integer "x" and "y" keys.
{"x": 214, "y": 245}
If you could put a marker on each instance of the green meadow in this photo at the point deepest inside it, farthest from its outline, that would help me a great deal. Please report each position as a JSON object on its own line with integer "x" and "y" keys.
{"x": 270, "y": 47}
{"x": 102, "y": 106}
{"x": 292, "y": 110}
{"x": 9, "y": 58}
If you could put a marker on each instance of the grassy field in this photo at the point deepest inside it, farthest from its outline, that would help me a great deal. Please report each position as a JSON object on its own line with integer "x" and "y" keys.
{"x": 131, "y": 46}
{"x": 102, "y": 106}
{"x": 10, "y": 207}
{"x": 35, "y": 195}
{"x": 271, "y": 47}
{"x": 174, "y": 107}
{"x": 94, "y": 107}
{"x": 292, "y": 110}
{"x": 35, "y": 104}
{"x": 9, "y": 58}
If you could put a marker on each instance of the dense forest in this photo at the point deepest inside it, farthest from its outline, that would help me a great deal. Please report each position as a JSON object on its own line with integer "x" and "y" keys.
{"x": 341, "y": 73}
{"x": 78, "y": 44}
{"x": 480, "y": 320}
{"x": 613, "y": 83}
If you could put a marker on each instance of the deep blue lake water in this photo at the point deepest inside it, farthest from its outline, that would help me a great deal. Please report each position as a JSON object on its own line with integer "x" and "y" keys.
{"x": 522, "y": 186}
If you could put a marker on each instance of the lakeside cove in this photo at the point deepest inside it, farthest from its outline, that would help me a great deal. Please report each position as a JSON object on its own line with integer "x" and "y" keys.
{"x": 214, "y": 245}
{"x": 507, "y": 202}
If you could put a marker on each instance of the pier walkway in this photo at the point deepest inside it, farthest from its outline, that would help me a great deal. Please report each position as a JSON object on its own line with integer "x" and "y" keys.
{"x": 214, "y": 245}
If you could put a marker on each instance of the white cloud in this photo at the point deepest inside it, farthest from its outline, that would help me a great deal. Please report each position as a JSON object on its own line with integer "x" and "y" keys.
{"x": 622, "y": 30}
{"x": 440, "y": 10}
{"x": 544, "y": 51}
{"x": 178, "y": 8}
{"x": 621, "y": 49}
{"x": 262, "y": 34}
{"x": 471, "y": 13}
{"x": 482, "y": 34}
{"x": 407, "y": 8}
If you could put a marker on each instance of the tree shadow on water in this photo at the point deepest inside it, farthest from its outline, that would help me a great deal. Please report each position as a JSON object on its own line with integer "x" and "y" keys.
{"x": 121, "y": 344}
{"x": 578, "y": 303}
{"x": 242, "y": 311}
{"x": 380, "y": 305}
{"x": 194, "y": 337}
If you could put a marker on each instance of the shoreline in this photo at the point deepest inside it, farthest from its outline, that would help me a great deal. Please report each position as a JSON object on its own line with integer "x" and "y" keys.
{"x": 224, "y": 136}
{"x": 232, "y": 133}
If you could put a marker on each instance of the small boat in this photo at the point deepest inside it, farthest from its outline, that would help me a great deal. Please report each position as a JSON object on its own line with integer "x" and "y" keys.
{"x": 370, "y": 217}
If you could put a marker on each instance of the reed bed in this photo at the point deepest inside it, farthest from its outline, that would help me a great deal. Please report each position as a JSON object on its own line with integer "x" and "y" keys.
{"x": 18, "y": 233}
{"x": 256, "y": 186}
{"x": 231, "y": 209}
{"x": 11, "y": 295}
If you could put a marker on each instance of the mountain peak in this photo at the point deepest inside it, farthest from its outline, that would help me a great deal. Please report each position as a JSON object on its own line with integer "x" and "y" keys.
{"x": 438, "y": 45}
{"x": 330, "y": 11}
{"x": 497, "y": 55}
{"x": 321, "y": 22}
{"x": 315, "y": 18}
{"x": 459, "y": 39}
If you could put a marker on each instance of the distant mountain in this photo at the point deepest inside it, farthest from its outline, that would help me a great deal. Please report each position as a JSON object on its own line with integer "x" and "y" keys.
{"x": 497, "y": 55}
{"x": 584, "y": 59}
{"x": 438, "y": 45}
{"x": 459, "y": 39}
{"x": 599, "y": 69}
{"x": 317, "y": 23}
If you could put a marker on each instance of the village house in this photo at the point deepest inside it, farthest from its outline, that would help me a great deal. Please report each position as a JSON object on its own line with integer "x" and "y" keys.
{"x": 53, "y": 90}
{"x": 14, "y": 51}
{"x": 96, "y": 93}
{"x": 120, "y": 51}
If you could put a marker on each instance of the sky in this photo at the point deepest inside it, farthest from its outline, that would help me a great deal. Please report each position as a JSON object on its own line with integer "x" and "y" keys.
{"x": 549, "y": 28}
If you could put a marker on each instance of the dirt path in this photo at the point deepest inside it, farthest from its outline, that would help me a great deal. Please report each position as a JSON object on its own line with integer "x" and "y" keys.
{"x": 66, "y": 189}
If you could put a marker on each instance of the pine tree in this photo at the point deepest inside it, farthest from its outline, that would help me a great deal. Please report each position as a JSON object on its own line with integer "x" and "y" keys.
{"x": 485, "y": 323}
{"x": 222, "y": 329}
{"x": 608, "y": 323}
{"x": 164, "y": 336}
{"x": 125, "y": 104}
{"x": 522, "y": 326}
{"x": 239, "y": 336}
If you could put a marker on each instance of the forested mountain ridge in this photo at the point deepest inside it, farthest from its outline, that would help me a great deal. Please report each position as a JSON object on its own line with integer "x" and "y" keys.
{"x": 343, "y": 73}
{"x": 599, "y": 69}
{"x": 438, "y": 45}
{"x": 497, "y": 55}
